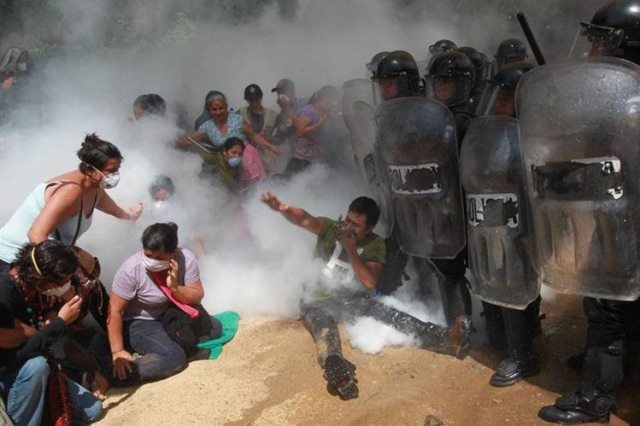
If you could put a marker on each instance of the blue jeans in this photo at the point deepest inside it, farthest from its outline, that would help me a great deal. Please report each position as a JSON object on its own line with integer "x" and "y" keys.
{"x": 25, "y": 389}
{"x": 161, "y": 356}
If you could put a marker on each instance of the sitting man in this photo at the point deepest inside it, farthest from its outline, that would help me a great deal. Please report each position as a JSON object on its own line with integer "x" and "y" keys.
{"x": 354, "y": 258}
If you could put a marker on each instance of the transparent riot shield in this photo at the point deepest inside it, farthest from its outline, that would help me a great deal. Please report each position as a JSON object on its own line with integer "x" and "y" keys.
{"x": 418, "y": 148}
{"x": 359, "y": 116}
{"x": 580, "y": 131}
{"x": 499, "y": 243}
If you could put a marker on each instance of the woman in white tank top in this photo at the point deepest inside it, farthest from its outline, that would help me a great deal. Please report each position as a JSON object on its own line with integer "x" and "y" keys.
{"x": 62, "y": 208}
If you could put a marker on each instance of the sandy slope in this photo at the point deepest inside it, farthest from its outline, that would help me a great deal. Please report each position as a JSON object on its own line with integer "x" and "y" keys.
{"x": 268, "y": 375}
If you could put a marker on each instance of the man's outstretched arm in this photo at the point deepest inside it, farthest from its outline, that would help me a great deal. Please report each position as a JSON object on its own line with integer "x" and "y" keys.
{"x": 295, "y": 215}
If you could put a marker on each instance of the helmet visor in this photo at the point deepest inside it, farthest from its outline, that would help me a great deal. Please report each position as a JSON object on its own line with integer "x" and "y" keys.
{"x": 594, "y": 40}
{"x": 496, "y": 100}
{"x": 450, "y": 91}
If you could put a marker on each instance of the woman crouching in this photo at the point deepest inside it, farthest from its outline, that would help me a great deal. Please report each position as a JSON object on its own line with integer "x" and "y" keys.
{"x": 149, "y": 283}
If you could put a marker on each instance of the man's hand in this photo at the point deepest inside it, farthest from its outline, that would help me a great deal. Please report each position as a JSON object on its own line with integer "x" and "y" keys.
{"x": 122, "y": 364}
{"x": 348, "y": 239}
{"x": 172, "y": 275}
{"x": 70, "y": 310}
{"x": 273, "y": 202}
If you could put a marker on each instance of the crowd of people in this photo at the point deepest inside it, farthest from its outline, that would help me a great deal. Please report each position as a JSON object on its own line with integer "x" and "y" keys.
{"x": 452, "y": 159}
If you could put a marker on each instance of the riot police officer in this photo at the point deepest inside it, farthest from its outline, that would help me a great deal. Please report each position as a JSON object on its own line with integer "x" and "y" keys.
{"x": 497, "y": 217}
{"x": 398, "y": 75}
{"x": 450, "y": 80}
{"x": 372, "y": 66}
{"x": 417, "y": 149}
{"x": 482, "y": 68}
{"x": 442, "y": 46}
{"x": 607, "y": 266}
{"x": 510, "y": 51}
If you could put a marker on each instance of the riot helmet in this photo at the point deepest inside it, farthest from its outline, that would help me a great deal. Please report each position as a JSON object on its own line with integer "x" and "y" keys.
{"x": 498, "y": 97}
{"x": 510, "y": 51}
{"x": 372, "y": 66}
{"x": 442, "y": 46}
{"x": 398, "y": 75}
{"x": 481, "y": 63}
{"x": 451, "y": 76}
{"x": 614, "y": 30}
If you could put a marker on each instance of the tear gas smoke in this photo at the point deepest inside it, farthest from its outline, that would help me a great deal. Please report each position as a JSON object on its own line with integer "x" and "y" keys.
{"x": 93, "y": 58}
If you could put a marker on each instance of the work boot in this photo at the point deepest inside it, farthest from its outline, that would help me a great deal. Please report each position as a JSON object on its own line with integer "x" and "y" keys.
{"x": 515, "y": 368}
{"x": 578, "y": 407}
{"x": 339, "y": 373}
{"x": 452, "y": 340}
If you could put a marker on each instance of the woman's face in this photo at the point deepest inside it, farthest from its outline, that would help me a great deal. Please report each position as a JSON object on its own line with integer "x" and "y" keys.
{"x": 33, "y": 289}
{"x": 326, "y": 104}
{"x": 235, "y": 151}
{"x": 158, "y": 254}
{"x": 111, "y": 166}
{"x": 218, "y": 111}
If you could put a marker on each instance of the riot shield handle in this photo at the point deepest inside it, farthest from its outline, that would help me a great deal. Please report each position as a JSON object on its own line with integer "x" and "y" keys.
{"x": 535, "y": 48}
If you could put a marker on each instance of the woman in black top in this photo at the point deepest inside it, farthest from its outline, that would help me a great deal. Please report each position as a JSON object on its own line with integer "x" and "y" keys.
{"x": 26, "y": 333}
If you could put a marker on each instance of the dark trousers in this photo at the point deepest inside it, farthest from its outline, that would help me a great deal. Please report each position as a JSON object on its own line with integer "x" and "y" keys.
{"x": 452, "y": 286}
{"x": 513, "y": 329}
{"x": 160, "y": 356}
{"x": 321, "y": 319}
{"x": 609, "y": 324}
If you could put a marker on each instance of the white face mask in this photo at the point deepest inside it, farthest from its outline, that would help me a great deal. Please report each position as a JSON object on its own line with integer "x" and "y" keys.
{"x": 155, "y": 265}
{"x": 160, "y": 204}
{"x": 111, "y": 180}
{"x": 57, "y": 292}
{"x": 22, "y": 66}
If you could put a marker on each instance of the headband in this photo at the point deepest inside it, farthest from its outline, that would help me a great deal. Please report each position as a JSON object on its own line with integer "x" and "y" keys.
{"x": 217, "y": 96}
{"x": 33, "y": 260}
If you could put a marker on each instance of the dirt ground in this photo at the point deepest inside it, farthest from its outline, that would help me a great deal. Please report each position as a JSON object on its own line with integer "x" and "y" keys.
{"x": 268, "y": 375}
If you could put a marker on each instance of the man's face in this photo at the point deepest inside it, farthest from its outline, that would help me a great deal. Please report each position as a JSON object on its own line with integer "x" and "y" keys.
{"x": 444, "y": 89}
{"x": 255, "y": 104}
{"x": 390, "y": 88}
{"x": 357, "y": 223}
{"x": 505, "y": 104}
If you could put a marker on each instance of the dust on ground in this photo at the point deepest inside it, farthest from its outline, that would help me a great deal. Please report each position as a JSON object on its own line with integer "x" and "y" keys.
{"x": 268, "y": 375}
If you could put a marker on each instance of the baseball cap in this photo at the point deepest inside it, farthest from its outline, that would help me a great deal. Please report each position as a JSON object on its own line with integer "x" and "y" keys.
{"x": 252, "y": 91}
{"x": 285, "y": 85}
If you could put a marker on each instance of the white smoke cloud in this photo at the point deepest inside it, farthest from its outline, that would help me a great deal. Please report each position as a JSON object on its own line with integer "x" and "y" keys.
{"x": 256, "y": 262}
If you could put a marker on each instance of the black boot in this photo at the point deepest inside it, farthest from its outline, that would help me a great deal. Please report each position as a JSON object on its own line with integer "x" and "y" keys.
{"x": 515, "y": 368}
{"x": 340, "y": 374}
{"x": 577, "y": 407}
